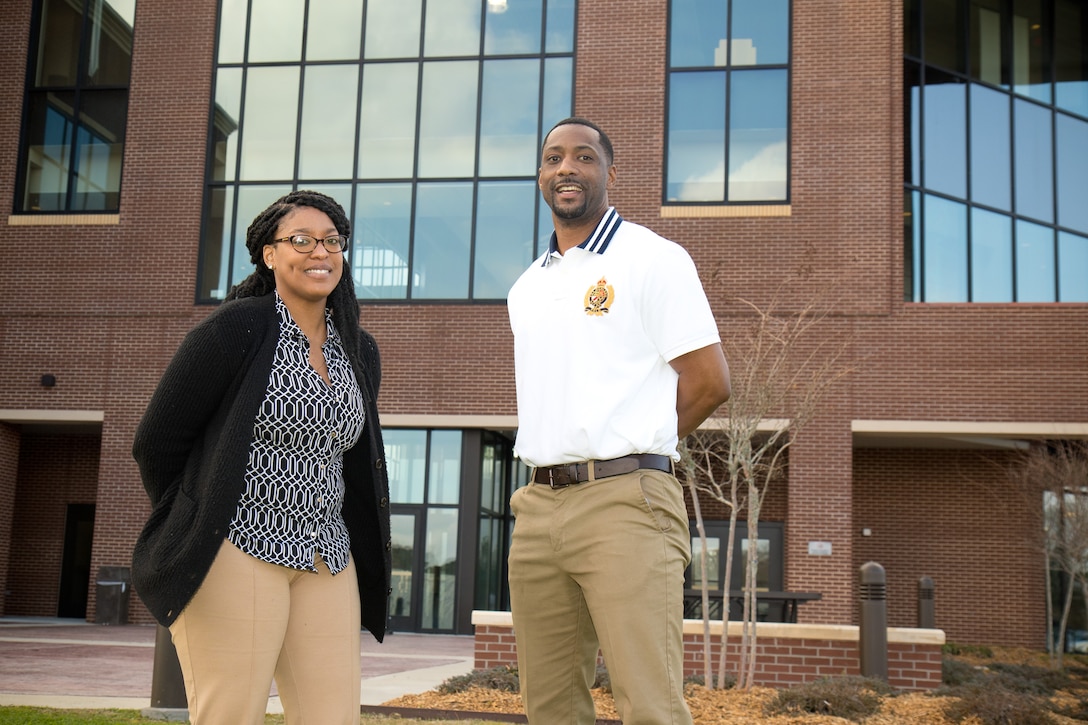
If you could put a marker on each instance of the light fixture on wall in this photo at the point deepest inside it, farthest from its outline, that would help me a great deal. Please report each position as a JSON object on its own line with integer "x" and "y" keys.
{"x": 496, "y": 6}
{"x": 48, "y": 380}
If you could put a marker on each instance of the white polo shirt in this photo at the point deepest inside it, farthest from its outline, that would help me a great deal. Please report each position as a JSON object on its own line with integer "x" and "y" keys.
{"x": 594, "y": 331}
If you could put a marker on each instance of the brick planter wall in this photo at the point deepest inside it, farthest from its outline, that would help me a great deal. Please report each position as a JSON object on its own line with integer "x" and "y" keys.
{"x": 788, "y": 654}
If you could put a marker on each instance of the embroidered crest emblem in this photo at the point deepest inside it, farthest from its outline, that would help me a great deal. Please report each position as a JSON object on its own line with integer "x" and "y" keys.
{"x": 599, "y": 297}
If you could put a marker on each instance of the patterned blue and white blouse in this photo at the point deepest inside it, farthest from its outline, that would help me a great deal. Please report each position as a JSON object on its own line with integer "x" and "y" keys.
{"x": 290, "y": 510}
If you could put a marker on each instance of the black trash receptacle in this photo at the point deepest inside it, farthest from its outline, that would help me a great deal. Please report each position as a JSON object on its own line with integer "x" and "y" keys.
{"x": 111, "y": 595}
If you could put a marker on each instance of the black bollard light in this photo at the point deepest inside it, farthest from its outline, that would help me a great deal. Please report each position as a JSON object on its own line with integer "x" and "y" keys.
{"x": 926, "y": 619}
{"x": 873, "y": 635}
{"x": 168, "y": 700}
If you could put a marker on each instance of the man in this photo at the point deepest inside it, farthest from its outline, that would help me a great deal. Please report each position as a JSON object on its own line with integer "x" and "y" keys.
{"x": 617, "y": 356}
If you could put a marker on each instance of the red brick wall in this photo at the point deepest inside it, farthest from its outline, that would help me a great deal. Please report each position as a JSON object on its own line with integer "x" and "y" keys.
{"x": 54, "y": 471}
{"x": 954, "y": 517}
{"x": 781, "y": 661}
{"x": 9, "y": 474}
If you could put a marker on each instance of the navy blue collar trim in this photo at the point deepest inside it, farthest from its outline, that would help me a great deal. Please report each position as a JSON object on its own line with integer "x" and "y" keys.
{"x": 598, "y": 241}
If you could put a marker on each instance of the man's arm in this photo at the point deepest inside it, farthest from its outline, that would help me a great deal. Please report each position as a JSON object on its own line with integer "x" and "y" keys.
{"x": 702, "y": 387}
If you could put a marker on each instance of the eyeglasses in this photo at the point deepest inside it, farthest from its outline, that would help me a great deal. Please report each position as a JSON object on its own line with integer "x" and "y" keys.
{"x": 304, "y": 244}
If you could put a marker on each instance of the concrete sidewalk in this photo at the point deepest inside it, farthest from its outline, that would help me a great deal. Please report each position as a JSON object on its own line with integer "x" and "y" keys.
{"x": 69, "y": 663}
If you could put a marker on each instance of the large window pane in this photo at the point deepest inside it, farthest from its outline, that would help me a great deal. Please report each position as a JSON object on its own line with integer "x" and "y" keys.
{"x": 991, "y": 163}
{"x": 402, "y": 534}
{"x": 757, "y": 136}
{"x": 392, "y": 29}
{"x": 232, "y": 30}
{"x": 945, "y": 134}
{"x": 991, "y": 257}
{"x": 215, "y": 251}
{"x": 379, "y": 255}
{"x": 559, "y": 31}
{"x": 452, "y": 27}
{"x": 328, "y": 122}
{"x": 988, "y": 60}
{"x": 107, "y": 56}
{"x": 99, "y": 148}
{"x": 945, "y": 39}
{"x": 1033, "y": 157}
{"x": 1030, "y": 50}
{"x": 912, "y": 88}
{"x": 1071, "y": 56}
{"x": 58, "y": 44}
{"x": 252, "y": 200}
{"x": 558, "y": 92}
{"x": 1073, "y": 268}
{"x": 697, "y": 33}
{"x": 49, "y": 136}
{"x": 443, "y": 234}
{"x": 334, "y": 29}
{"x": 696, "y": 145}
{"x": 406, "y": 460}
{"x": 508, "y": 117}
{"x": 1072, "y": 160}
{"x": 515, "y": 30}
{"x": 440, "y": 569}
{"x": 275, "y": 33}
{"x": 225, "y": 115}
{"x": 504, "y": 236}
{"x": 444, "y": 481}
{"x": 760, "y": 32}
{"x": 271, "y": 118}
{"x": 447, "y": 124}
{"x": 945, "y": 253}
{"x": 1034, "y": 263}
{"x": 386, "y": 135}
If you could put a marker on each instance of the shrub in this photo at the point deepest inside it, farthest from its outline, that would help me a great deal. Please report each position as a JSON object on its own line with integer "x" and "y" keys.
{"x": 976, "y": 650}
{"x": 496, "y": 678}
{"x": 996, "y": 706}
{"x": 851, "y": 698}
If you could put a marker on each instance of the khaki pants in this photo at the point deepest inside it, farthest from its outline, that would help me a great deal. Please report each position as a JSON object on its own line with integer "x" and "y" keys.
{"x": 251, "y": 621}
{"x": 601, "y": 564}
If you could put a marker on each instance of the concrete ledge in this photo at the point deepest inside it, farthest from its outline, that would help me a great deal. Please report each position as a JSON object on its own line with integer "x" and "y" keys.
{"x": 787, "y": 654}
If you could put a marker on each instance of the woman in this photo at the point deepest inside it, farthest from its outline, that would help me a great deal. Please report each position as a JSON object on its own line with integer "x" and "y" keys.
{"x": 261, "y": 451}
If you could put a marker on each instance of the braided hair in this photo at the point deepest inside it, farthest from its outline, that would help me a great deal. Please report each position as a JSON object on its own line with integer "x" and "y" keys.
{"x": 341, "y": 301}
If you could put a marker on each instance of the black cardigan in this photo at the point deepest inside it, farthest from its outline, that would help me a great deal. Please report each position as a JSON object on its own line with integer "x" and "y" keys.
{"x": 192, "y": 447}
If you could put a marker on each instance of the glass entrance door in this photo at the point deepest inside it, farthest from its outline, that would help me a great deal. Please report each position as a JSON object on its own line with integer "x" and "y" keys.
{"x": 402, "y": 601}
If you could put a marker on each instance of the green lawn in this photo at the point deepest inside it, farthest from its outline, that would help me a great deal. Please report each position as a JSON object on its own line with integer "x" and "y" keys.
{"x": 51, "y": 716}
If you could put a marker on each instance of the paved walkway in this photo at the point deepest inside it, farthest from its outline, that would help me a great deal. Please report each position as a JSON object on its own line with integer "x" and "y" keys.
{"x": 69, "y": 663}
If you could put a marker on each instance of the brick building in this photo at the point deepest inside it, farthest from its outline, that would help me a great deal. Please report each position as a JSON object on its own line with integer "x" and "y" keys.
{"x": 845, "y": 143}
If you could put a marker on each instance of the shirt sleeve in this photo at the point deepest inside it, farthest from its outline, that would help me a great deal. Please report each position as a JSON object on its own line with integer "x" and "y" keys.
{"x": 677, "y": 313}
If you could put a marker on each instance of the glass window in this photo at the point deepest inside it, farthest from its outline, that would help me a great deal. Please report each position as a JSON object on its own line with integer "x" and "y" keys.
{"x": 1071, "y": 56}
{"x": 439, "y": 569}
{"x": 515, "y": 30}
{"x": 1033, "y": 156}
{"x": 1030, "y": 49}
{"x": 72, "y": 148}
{"x": 443, "y": 231}
{"x": 1072, "y": 160}
{"x": 1034, "y": 263}
{"x": 727, "y": 136}
{"x": 991, "y": 257}
{"x": 444, "y": 480}
{"x": 991, "y": 165}
{"x": 945, "y": 252}
{"x": 1073, "y": 276}
{"x": 405, "y": 112}
{"x": 944, "y": 105}
{"x": 380, "y": 253}
{"x": 1018, "y": 175}
{"x": 327, "y": 126}
{"x": 406, "y": 462}
{"x": 504, "y": 237}
{"x": 757, "y": 136}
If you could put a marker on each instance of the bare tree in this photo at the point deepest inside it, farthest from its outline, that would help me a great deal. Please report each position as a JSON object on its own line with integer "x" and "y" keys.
{"x": 1059, "y": 469}
{"x": 782, "y": 362}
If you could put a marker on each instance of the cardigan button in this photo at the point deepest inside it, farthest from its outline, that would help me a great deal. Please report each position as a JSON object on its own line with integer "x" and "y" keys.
{"x": 379, "y": 464}
{"x": 388, "y": 545}
{"x": 384, "y": 502}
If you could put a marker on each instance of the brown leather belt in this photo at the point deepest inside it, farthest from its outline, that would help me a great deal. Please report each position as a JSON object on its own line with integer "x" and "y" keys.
{"x": 568, "y": 474}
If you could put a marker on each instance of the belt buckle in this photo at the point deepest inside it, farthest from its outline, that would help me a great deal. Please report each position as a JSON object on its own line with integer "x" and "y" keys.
{"x": 571, "y": 471}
